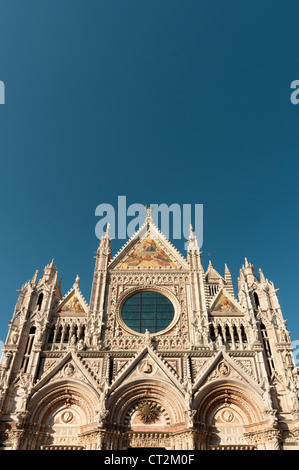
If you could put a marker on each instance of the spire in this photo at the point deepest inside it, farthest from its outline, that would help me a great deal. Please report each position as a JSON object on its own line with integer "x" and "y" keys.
{"x": 192, "y": 240}
{"x": 248, "y": 271}
{"x": 107, "y": 231}
{"x": 241, "y": 281}
{"x": 50, "y": 272}
{"x": 248, "y": 265}
{"x": 103, "y": 257}
{"x": 262, "y": 277}
{"x": 228, "y": 280}
{"x": 33, "y": 281}
{"x": 104, "y": 246}
{"x": 211, "y": 274}
{"x": 193, "y": 251}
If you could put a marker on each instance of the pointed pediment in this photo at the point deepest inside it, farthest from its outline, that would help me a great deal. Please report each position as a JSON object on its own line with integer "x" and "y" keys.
{"x": 222, "y": 366}
{"x": 72, "y": 303}
{"x": 224, "y": 303}
{"x": 69, "y": 366}
{"x": 212, "y": 275}
{"x": 148, "y": 249}
{"x": 147, "y": 253}
{"x": 147, "y": 365}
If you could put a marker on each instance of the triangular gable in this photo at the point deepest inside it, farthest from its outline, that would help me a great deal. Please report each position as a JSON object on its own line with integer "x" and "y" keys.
{"x": 67, "y": 367}
{"x": 73, "y": 302}
{"x": 223, "y": 366}
{"x": 144, "y": 359}
{"x": 148, "y": 249}
{"x": 72, "y": 305}
{"x": 147, "y": 253}
{"x": 224, "y": 303}
{"x": 212, "y": 275}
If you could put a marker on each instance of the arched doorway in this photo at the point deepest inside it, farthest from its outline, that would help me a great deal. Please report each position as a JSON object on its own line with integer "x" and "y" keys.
{"x": 228, "y": 411}
{"x": 149, "y": 414}
{"x": 227, "y": 426}
{"x": 59, "y": 414}
{"x": 64, "y": 425}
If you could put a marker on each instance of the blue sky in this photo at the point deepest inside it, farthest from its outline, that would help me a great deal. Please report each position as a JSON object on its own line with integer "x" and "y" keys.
{"x": 162, "y": 101}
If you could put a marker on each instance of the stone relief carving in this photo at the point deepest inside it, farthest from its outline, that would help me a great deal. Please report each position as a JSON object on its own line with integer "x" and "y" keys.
{"x": 67, "y": 416}
{"x": 69, "y": 370}
{"x": 146, "y": 367}
{"x": 223, "y": 369}
{"x": 227, "y": 416}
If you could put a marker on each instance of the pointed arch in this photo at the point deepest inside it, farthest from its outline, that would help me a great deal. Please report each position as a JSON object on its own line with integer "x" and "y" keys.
{"x": 40, "y": 300}
{"x": 61, "y": 406}
{"x": 228, "y": 390}
{"x": 228, "y": 335}
{"x": 128, "y": 396}
{"x": 256, "y": 300}
{"x": 228, "y": 411}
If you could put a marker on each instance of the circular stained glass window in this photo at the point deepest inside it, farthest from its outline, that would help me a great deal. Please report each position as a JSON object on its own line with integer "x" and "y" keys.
{"x": 147, "y": 310}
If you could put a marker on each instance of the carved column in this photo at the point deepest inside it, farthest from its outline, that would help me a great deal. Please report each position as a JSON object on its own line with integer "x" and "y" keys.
{"x": 274, "y": 439}
{"x": 15, "y": 438}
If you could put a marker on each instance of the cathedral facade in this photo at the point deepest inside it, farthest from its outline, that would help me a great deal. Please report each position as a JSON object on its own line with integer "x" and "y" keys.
{"x": 163, "y": 356}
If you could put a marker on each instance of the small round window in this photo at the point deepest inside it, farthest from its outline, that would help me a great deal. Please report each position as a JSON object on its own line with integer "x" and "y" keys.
{"x": 147, "y": 310}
